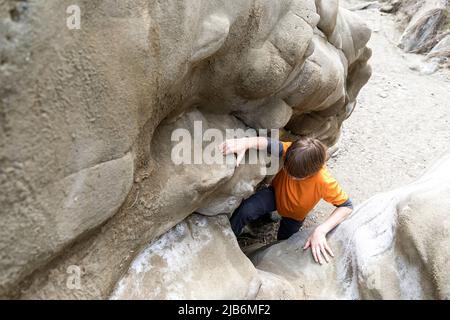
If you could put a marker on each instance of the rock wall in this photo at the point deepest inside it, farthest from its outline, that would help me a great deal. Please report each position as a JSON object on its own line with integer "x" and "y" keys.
{"x": 86, "y": 118}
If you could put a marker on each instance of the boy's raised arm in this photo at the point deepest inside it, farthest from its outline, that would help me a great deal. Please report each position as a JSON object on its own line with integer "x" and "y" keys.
{"x": 241, "y": 145}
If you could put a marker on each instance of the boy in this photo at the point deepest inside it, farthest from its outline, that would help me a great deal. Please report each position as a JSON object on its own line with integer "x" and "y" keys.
{"x": 295, "y": 190}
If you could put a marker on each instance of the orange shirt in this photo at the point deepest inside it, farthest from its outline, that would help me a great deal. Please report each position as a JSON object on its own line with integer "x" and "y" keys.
{"x": 295, "y": 198}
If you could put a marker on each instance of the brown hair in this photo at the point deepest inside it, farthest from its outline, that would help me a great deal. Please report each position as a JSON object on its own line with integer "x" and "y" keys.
{"x": 305, "y": 157}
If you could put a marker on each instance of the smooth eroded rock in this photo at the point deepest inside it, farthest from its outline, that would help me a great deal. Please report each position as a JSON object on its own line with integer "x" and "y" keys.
{"x": 84, "y": 112}
{"x": 198, "y": 259}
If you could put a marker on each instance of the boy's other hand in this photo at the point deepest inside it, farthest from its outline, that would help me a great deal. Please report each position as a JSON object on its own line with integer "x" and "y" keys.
{"x": 319, "y": 246}
{"x": 237, "y": 146}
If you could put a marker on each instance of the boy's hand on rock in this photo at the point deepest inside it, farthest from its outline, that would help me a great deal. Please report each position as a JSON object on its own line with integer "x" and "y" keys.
{"x": 237, "y": 146}
{"x": 319, "y": 246}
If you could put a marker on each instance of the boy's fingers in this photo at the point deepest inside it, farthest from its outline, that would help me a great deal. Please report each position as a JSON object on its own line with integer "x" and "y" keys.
{"x": 324, "y": 253}
{"x": 232, "y": 148}
{"x": 307, "y": 244}
{"x": 240, "y": 156}
{"x": 319, "y": 256}
{"x": 223, "y": 147}
{"x": 314, "y": 254}
{"x": 228, "y": 150}
{"x": 327, "y": 247}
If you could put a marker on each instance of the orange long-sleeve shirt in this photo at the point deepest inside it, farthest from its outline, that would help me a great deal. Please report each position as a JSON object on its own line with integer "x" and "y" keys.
{"x": 296, "y": 198}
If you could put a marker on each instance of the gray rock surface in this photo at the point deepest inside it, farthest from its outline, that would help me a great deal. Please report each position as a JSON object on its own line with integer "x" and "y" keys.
{"x": 422, "y": 29}
{"x": 85, "y": 115}
{"x": 198, "y": 259}
{"x": 441, "y": 51}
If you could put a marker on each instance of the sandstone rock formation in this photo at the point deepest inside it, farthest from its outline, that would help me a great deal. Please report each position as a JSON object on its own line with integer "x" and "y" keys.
{"x": 427, "y": 23}
{"x": 393, "y": 246}
{"x": 198, "y": 259}
{"x": 424, "y": 27}
{"x": 441, "y": 51}
{"x": 86, "y": 118}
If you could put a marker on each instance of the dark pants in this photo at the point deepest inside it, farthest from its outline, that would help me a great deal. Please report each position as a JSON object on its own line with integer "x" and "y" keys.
{"x": 259, "y": 204}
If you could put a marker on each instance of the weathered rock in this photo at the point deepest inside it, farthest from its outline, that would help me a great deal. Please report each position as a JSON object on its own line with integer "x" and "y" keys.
{"x": 366, "y": 5}
{"x": 326, "y": 79}
{"x": 198, "y": 259}
{"x": 441, "y": 50}
{"x": 274, "y": 114}
{"x": 391, "y": 7}
{"x": 83, "y": 111}
{"x": 388, "y": 8}
{"x": 180, "y": 189}
{"x": 66, "y": 158}
{"x": 274, "y": 287}
{"x": 417, "y": 35}
{"x": 394, "y": 246}
{"x": 76, "y": 200}
{"x": 424, "y": 22}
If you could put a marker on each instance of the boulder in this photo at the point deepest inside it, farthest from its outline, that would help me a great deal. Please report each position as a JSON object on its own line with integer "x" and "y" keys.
{"x": 424, "y": 23}
{"x": 441, "y": 50}
{"x": 87, "y": 114}
{"x": 198, "y": 259}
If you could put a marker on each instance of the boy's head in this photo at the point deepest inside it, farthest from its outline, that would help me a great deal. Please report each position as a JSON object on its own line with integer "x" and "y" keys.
{"x": 305, "y": 157}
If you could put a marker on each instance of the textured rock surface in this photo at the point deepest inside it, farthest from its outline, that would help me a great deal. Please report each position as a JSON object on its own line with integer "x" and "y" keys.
{"x": 425, "y": 24}
{"x": 394, "y": 246}
{"x": 198, "y": 259}
{"x": 441, "y": 50}
{"x": 84, "y": 113}
{"x": 424, "y": 27}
